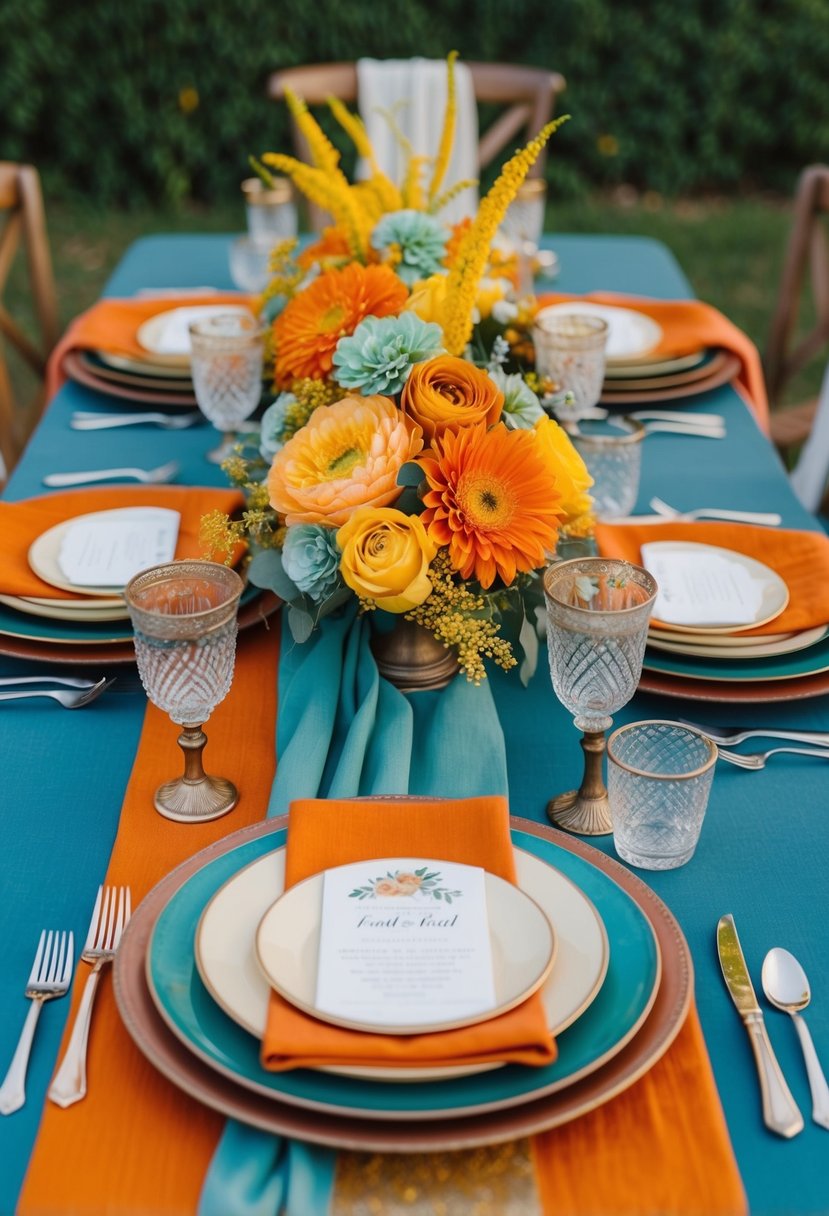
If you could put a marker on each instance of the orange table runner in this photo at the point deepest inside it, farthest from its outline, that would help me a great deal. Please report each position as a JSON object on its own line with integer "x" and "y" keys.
{"x": 687, "y": 326}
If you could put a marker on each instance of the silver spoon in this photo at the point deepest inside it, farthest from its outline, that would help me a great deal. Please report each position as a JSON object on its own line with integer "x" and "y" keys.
{"x": 786, "y": 986}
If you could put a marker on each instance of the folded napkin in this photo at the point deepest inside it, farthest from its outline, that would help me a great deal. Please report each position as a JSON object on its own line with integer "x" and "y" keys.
{"x": 688, "y": 325}
{"x": 800, "y": 558}
{"x": 21, "y": 523}
{"x": 326, "y": 833}
{"x": 111, "y": 325}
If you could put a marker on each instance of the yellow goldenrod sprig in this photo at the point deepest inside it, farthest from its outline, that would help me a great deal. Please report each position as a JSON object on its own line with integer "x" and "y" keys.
{"x": 323, "y": 153}
{"x": 448, "y": 195}
{"x": 355, "y": 129}
{"x": 447, "y": 136}
{"x": 329, "y": 191}
{"x": 412, "y": 189}
{"x": 470, "y": 263}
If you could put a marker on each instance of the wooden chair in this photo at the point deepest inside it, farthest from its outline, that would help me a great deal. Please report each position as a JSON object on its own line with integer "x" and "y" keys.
{"x": 807, "y": 254}
{"x": 528, "y": 93}
{"x": 22, "y": 221}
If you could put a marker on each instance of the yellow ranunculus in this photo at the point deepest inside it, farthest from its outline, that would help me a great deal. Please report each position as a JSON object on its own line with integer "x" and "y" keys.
{"x": 385, "y": 557}
{"x": 427, "y": 296}
{"x": 446, "y": 393}
{"x": 572, "y": 478}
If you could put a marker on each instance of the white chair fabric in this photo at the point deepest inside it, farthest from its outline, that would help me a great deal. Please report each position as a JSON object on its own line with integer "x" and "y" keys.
{"x": 811, "y": 473}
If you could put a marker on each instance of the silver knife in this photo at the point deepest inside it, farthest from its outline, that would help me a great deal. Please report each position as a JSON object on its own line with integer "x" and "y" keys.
{"x": 780, "y": 1112}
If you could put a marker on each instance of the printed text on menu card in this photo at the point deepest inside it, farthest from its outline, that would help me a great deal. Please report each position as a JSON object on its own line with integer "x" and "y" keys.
{"x": 404, "y": 942}
{"x": 104, "y": 551}
{"x": 701, "y": 588}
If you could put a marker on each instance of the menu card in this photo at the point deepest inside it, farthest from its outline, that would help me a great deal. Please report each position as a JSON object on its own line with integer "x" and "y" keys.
{"x": 404, "y": 942}
{"x": 106, "y": 550}
{"x": 702, "y": 587}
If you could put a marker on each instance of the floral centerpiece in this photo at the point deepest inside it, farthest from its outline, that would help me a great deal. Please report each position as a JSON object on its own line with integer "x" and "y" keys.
{"x": 407, "y": 460}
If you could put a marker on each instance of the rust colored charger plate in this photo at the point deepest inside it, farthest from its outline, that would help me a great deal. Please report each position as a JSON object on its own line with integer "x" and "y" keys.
{"x": 185, "y": 1070}
{"x": 105, "y": 655}
{"x": 724, "y": 374}
{"x": 753, "y": 692}
{"x": 76, "y": 369}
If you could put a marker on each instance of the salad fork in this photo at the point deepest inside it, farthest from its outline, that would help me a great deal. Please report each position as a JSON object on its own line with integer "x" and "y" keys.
{"x": 770, "y": 518}
{"x": 109, "y": 918}
{"x": 69, "y": 700}
{"x": 758, "y": 760}
{"x": 730, "y": 735}
{"x": 164, "y": 473}
{"x": 49, "y": 978}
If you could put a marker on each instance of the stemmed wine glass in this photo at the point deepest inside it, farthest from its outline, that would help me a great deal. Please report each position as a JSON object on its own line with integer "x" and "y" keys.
{"x": 226, "y": 357}
{"x": 597, "y": 623}
{"x": 184, "y": 617}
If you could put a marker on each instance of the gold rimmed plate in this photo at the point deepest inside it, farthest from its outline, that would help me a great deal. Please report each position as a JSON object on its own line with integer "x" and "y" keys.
{"x": 630, "y": 333}
{"x": 59, "y": 610}
{"x": 760, "y": 649}
{"x": 772, "y": 594}
{"x": 165, "y": 336}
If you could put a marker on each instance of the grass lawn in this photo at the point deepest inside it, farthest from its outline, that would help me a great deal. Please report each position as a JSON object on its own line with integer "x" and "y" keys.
{"x": 731, "y": 250}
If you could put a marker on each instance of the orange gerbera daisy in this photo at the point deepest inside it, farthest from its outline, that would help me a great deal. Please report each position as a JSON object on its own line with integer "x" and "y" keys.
{"x": 312, "y": 323}
{"x": 492, "y": 501}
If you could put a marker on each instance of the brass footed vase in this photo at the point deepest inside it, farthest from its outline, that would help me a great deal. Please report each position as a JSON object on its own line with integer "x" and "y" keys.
{"x": 597, "y": 624}
{"x": 411, "y": 658}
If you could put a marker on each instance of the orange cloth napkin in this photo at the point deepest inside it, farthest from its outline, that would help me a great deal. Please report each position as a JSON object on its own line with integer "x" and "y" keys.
{"x": 689, "y": 325}
{"x": 326, "y": 833}
{"x": 111, "y": 325}
{"x": 800, "y": 558}
{"x": 21, "y": 523}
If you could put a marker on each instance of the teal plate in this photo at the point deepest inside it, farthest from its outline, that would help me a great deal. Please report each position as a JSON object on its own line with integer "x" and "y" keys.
{"x": 614, "y": 1016}
{"x": 808, "y": 662}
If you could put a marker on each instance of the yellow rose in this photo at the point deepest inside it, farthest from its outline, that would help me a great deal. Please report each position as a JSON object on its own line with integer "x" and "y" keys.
{"x": 572, "y": 478}
{"x": 447, "y": 393}
{"x": 427, "y": 298}
{"x": 490, "y": 292}
{"x": 385, "y": 557}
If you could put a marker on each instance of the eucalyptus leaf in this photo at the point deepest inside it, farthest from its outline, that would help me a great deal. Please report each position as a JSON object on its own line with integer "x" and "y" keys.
{"x": 339, "y": 597}
{"x": 300, "y": 623}
{"x": 266, "y": 570}
{"x": 528, "y": 641}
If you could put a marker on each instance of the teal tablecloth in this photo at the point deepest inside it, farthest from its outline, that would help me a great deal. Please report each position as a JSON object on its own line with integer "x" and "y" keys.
{"x": 764, "y": 851}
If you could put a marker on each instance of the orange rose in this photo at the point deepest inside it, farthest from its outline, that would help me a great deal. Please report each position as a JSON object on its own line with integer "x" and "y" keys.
{"x": 447, "y": 393}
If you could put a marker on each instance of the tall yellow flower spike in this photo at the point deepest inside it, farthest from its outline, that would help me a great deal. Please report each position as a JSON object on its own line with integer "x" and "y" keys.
{"x": 447, "y": 137}
{"x": 412, "y": 189}
{"x": 330, "y": 193}
{"x": 323, "y": 153}
{"x": 470, "y": 263}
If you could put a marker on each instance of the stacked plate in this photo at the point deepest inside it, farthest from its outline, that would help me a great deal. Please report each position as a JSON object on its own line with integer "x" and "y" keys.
{"x": 192, "y": 994}
{"x": 727, "y": 660}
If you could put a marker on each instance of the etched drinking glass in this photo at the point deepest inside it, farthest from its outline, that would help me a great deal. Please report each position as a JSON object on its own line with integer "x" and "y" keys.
{"x": 226, "y": 362}
{"x": 523, "y": 226}
{"x": 659, "y": 778}
{"x": 570, "y": 351}
{"x": 612, "y": 452}
{"x": 597, "y": 623}
{"x": 184, "y": 617}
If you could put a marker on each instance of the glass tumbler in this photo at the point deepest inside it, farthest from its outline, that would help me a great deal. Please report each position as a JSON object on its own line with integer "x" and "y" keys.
{"x": 523, "y": 225}
{"x": 659, "y": 779}
{"x": 184, "y": 618}
{"x": 570, "y": 351}
{"x": 271, "y": 210}
{"x": 614, "y": 461}
{"x": 227, "y": 353}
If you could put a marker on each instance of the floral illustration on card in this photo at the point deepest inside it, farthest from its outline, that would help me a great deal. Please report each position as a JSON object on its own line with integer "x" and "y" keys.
{"x": 407, "y": 883}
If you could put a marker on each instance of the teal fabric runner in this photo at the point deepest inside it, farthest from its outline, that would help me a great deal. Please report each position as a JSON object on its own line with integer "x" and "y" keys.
{"x": 356, "y": 735}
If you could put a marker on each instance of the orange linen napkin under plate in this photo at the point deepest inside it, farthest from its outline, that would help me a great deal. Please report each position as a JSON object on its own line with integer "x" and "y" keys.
{"x": 688, "y": 325}
{"x": 800, "y": 558}
{"x": 21, "y": 523}
{"x": 112, "y": 325}
{"x": 327, "y": 833}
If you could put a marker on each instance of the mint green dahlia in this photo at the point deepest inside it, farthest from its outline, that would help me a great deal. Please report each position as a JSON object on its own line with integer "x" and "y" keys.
{"x": 381, "y": 352}
{"x": 421, "y": 240}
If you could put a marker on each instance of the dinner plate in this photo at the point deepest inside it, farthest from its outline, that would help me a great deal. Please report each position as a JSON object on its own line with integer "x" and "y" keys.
{"x": 658, "y": 365}
{"x": 629, "y": 333}
{"x": 773, "y": 592}
{"x": 725, "y": 373}
{"x": 760, "y": 650}
{"x": 57, "y": 610}
{"x": 145, "y": 366}
{"x": 44, "y": 552}
{"x": 350, "y": 1131}
{"x": 74, "y": 367}
{"x": 166, "y": 334}
{"x": 756, "y": 692}
{"x": 722, "y": 641}
{"x": 153, "y": 380}
{"x": 522, "y": 944}
{"x": 618, "y": 1011}
{"x": 226, "y": 959}
{"x": 656, "y": 382}
{"x": 810, "y": 662}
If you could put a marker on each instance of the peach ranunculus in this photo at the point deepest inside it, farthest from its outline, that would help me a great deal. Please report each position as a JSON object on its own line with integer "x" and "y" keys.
{"x": 408, "y": 883}
{"x": 573, "y": 481}
{"x": 385, "y": 558}
{"x": 386, "y": 887}
{"x": 447, "y": 393}
{"x": 346, "y": 456}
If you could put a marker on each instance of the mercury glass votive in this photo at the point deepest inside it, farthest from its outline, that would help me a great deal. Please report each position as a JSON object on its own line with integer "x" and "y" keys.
{"x": 271, "y": 210}
{"x": 184, "y": 618}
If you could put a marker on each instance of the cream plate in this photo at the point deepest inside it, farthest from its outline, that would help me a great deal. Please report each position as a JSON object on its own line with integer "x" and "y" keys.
{"x": 144, "y": 367}
{"x": 226, "y": 955}
{"x": 774, "y": 592}
{"x": 58, "y": 610}
{"x": 627, "y": 369}
{"x": 761, "y": 649}
{"x": 166, "y": 335}
{"x": 630, "y": 333}
{"x": 521, "y": 938}
{"x": 43, "y": 554}
{"x": 723, "y": 641}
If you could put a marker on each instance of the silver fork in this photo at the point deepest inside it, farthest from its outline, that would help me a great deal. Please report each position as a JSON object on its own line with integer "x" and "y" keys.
{"x": 69, "y": 700}
{"x": 109, "y": 917}
{"x": 164, "y": 472}
{"x": 770, "y": 518}
{"x": 730, "y": 735}
{"x": 66, "y": 681}
{"x": 758, "y": 760}
{"x": 50, "y": 976}
{"x": 82, "y": 421}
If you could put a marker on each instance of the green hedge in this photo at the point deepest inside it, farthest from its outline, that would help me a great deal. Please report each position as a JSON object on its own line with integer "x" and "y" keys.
{"x": 164, "y": 99}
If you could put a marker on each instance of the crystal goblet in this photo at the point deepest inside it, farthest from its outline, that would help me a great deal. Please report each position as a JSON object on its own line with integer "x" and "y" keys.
{"x": 597, "y": 623}
{"x": 226, "y": 356}
{"x": 184, "y": 617}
